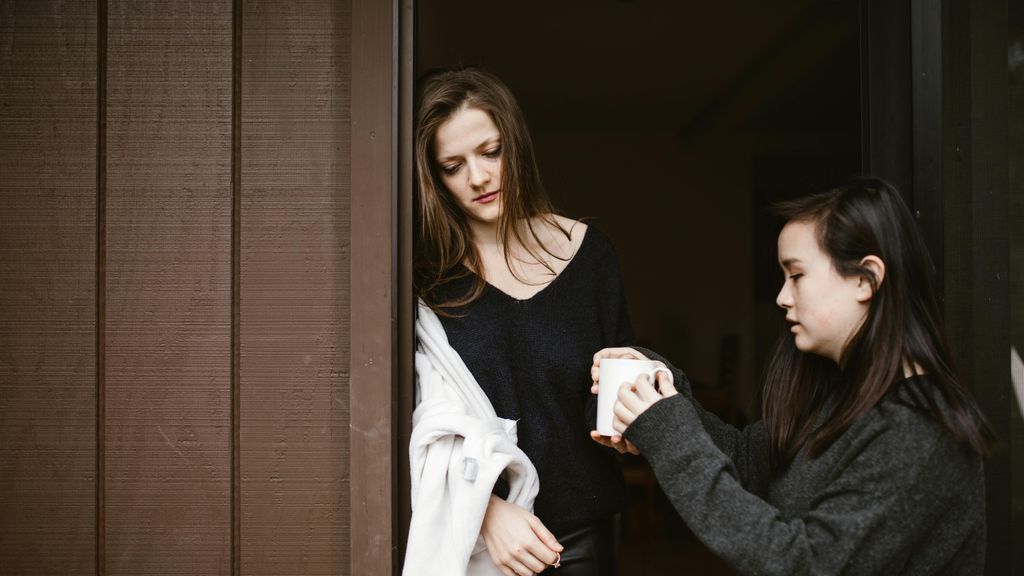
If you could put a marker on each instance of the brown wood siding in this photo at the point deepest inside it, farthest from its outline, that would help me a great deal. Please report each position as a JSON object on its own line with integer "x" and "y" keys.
{"x": 294, "y": 277}
{"x": 47, "y": 287}
{"x": 168, "y": 289}
{"x": 174, "y": 291}
{"x": 219, "y": 178}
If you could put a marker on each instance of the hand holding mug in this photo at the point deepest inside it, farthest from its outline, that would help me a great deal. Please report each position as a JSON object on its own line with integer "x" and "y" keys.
{"x": 615, "y": 441}
{"x": 635, "y": 399}
{"x": 618, "y": 367}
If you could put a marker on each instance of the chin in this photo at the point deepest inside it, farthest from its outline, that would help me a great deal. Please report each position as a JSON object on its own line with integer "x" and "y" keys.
{"x": 804, "y": 346}
{"x": 489, "y": 216}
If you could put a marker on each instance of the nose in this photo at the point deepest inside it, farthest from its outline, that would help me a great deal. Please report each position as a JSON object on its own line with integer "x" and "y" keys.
{"x": 785, "y": 298}
{"x": 478, "y": 175}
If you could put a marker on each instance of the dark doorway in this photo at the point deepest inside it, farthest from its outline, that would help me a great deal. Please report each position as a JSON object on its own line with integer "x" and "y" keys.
{"x": 672, "y": 126}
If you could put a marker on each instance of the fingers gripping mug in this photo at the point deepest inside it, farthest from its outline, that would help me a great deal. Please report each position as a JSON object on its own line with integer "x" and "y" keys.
{"x": 612, "y": 374}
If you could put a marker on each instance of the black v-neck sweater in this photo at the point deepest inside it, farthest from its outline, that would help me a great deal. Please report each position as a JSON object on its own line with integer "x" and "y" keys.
{"x": 532, "y": 358}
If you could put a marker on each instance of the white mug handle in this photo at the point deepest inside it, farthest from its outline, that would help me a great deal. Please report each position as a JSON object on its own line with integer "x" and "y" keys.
{"x": 654, "y": 380}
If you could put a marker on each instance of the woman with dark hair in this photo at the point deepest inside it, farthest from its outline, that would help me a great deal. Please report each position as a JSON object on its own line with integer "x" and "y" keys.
{"x": 869, "y": 457}
{"x": 524, "y": 296}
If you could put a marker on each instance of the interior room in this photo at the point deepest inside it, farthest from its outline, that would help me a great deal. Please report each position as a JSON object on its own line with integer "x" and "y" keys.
{"x": 672, "y": 126}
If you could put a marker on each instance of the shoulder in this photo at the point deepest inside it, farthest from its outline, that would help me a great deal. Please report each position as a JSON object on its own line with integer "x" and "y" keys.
{"x": 906, "y": 409}
{"x": 586, "y": 237}
{"x": 933, "y": 465}
{"x": 900, "y": 432}
{"x": 898, "y": 425}
{"x": 458, "y": 284}
{"x": 563, "y": 237}
{"x": 557, "y": 227}
{"x": 576, "y": 228}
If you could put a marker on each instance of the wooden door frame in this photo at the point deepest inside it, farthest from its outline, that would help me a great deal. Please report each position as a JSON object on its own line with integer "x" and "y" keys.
{"x": 380, "y": 370}
{"x": 406, "y": 314}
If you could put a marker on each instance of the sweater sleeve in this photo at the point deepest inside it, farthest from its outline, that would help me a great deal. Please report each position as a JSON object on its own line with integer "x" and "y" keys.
{"x": 747, "y": 449}
{"x": 890, "y": 488}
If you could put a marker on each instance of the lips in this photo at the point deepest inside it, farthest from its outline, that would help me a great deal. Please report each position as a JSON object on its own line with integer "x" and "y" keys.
{"x": 486, "y": 198}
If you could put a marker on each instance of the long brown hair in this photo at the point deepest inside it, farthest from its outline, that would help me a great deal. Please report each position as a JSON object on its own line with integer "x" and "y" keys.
{"x": 443, "y": 239}
{"x": 810, "y": 401}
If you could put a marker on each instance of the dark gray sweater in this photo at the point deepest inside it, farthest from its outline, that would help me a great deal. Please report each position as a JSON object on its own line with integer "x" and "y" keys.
{"x": 895, "y": 494}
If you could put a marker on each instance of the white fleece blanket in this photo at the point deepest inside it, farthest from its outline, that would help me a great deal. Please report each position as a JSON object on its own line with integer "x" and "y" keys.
{"x": 458, "y": 449}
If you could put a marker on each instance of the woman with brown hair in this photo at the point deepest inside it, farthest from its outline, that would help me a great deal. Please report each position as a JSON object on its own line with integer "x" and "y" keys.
{"x": 525, "y": 296}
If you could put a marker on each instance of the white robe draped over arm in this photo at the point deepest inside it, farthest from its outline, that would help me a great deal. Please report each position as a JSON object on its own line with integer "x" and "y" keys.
{"x": 459, "y": 448}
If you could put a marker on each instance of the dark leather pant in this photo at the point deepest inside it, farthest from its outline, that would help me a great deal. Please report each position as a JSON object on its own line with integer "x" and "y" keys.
{"x": 589, "y": 551}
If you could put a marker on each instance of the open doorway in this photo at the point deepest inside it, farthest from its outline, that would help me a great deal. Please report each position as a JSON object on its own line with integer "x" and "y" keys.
{"x": 672, "y": 126}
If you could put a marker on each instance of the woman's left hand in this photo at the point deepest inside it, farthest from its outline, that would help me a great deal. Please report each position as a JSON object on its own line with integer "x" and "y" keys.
{"x": 634, "y": 400}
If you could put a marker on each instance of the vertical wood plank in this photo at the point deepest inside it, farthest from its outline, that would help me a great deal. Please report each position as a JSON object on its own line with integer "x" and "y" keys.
{"x": 168, "y": 287}
{"x": 294, "y": 278}
{"x": 372, "y": 364}
{"x": 47, "y": 287}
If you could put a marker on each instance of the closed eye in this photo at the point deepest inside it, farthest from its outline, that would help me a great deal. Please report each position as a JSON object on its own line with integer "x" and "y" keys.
{"x": 451, "y": 169}
{"x": 795, "y": 277}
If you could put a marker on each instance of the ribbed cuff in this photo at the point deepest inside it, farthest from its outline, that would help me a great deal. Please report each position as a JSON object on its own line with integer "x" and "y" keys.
{"x": 664, "y": 423}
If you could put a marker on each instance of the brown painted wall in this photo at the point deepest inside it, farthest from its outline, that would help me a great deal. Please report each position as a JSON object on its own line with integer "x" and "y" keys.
{"x": 47, "y": 288}
{"x": 167, "y": 340}
{"x": 295, "y": 288}
{"x": 174, "y": 287}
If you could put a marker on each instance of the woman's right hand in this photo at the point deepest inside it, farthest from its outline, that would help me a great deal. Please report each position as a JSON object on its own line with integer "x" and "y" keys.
{"x": 517, "y": 541}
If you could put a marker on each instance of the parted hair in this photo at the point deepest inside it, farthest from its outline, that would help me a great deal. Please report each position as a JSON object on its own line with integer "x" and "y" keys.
{"x": 865, "y": 217}
{"x": 443, "y": 239}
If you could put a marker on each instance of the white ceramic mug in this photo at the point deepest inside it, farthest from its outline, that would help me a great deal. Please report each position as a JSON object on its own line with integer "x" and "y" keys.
{"x": 612, "y": 374}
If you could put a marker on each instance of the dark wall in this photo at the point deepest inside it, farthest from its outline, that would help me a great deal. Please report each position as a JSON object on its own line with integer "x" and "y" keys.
{"x": 174, "y": 287}
{"x": 1015, "y": 147}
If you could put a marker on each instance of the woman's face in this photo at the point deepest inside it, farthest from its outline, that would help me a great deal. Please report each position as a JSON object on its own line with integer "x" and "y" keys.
{"x": 468, "y": 147}
{"x": 823, "y": 308}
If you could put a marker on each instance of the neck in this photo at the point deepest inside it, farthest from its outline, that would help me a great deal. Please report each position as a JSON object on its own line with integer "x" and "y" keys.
{"x": 485, "y": 234}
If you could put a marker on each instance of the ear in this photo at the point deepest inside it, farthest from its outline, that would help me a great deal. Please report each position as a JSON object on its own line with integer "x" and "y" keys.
{"x": 877, "y": 268}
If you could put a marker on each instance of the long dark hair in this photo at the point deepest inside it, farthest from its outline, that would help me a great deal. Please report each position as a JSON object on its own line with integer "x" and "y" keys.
{"x": 903, "y": 324}
{"x": 443, "y": 240}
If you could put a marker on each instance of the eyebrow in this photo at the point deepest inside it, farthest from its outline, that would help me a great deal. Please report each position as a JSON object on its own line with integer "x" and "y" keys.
{"x": 484, "y": 144}
{"x": 789, "y": 262}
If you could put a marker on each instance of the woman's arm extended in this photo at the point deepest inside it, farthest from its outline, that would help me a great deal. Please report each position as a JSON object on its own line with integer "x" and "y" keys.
{"x": 865, "y": 515}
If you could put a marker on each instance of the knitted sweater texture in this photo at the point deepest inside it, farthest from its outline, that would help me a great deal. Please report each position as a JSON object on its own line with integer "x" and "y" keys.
{"x": 532, "y": 358}
{"x": 895, "y": 494}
